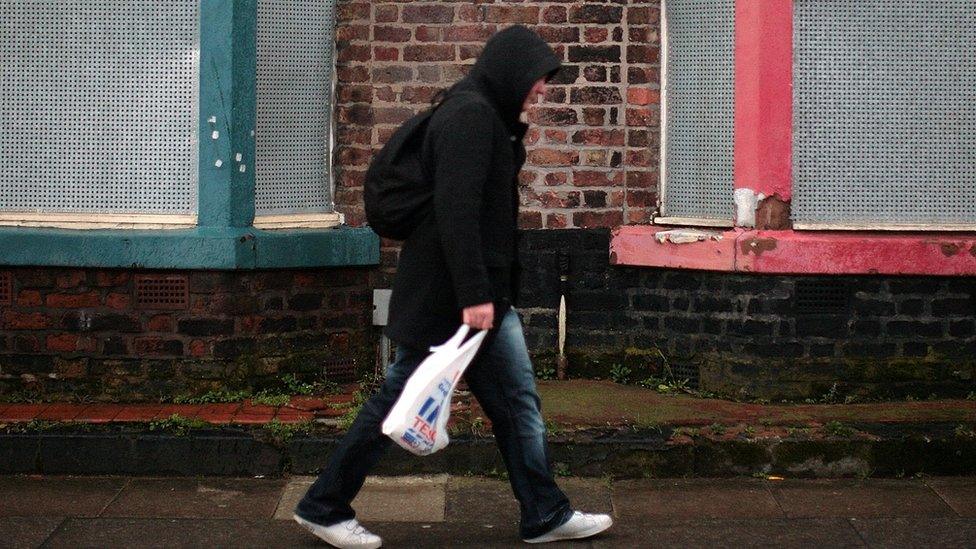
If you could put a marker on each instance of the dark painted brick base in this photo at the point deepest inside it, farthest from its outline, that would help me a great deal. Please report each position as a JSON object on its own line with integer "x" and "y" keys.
{"x": 893, "y": 451}
{"x": 752, "y": 335}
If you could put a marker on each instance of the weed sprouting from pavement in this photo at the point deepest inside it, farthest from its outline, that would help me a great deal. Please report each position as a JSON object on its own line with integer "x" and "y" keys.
{"x": 838, "y": 429}
{"x": 282, "y": 433}
{"x": 620, "y": 373}
{"x": 177, "y": 424}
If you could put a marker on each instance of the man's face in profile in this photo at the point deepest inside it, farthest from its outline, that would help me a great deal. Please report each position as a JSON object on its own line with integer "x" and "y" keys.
{"x": 538, "y": 89}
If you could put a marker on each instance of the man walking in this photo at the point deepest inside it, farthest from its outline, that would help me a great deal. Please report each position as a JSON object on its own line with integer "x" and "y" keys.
{"x": 461, "y": 266}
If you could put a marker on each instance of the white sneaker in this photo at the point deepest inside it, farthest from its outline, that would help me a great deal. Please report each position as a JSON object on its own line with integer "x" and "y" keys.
{"x": 579, "y": 526}
{"x": 345, "y": 535}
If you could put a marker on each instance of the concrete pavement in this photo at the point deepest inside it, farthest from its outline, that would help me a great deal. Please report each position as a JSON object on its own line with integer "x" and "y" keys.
{"x": 442, "y": 511}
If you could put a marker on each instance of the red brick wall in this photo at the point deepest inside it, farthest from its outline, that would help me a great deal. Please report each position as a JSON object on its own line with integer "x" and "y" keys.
{"x": 593, "y": 153}
{"x": 80, "y": 331}
{"x": 593, "y": 146}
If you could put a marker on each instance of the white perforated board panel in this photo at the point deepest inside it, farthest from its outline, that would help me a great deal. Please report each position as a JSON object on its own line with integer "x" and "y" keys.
{"x": 885, "y": 112}
{"x": 294, "y": 97}
{"x": 99, "y": 106}
{"x": 700, "y": 74}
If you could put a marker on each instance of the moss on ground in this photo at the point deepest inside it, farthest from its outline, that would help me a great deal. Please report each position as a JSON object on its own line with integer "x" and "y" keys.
{"x": 584, "y": 402}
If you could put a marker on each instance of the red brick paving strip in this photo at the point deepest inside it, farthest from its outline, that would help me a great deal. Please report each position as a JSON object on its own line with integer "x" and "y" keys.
{"x": 287, "y": 415}
{"x": 331, "y": 412}
{"x": 221, "y": 413}
{"x": 23, "y": 412}
{"x": 99, "y": 413}
{"x": 182, "y": 410}
{"x": 138, "y": 412}
{"x": 342, "y": 399}
{"x": 308, "y": 403}
{"x": 605, "y": 403}
{"x": 253, "y": 414}
{"x": 60, "y": 411}
{"x": 218, "y": 413}
{"x": 328, "y": 407}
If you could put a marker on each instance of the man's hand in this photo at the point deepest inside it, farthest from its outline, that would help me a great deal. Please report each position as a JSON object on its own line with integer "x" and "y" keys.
{"x": 480, "y": 317}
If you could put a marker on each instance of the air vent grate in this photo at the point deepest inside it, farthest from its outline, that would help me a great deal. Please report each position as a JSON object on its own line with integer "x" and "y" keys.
{"x": 170, "y": 292}
{"x": 340, "y": 370}
{"x": 822, "y": 297}
{"x": 688, "y": 373}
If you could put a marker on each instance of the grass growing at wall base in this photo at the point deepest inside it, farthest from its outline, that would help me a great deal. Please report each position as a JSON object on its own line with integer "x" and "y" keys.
{"x": 728, "y": 376}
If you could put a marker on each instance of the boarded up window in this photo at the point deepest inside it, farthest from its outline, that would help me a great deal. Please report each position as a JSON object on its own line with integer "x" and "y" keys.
{"x": 99, "y": 106}
{"x": 699, "y": 103}
{"x": 294, "y": 96}
{"x": 885, "y": 114}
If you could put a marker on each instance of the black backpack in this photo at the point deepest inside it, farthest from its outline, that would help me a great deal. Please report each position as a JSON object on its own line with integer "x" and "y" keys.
{"x": 399, "y": 193}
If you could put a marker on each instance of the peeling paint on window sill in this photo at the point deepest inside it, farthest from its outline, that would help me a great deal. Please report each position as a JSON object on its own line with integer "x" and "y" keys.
{"x": 686, "y": 236}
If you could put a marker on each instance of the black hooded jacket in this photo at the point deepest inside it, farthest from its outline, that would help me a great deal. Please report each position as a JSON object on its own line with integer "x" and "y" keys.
{"x": 465, "y": 253}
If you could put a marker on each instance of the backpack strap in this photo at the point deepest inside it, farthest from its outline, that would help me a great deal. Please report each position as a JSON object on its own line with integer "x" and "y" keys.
{"x": 448, "y": 96}
{"x": 430, "y": 114}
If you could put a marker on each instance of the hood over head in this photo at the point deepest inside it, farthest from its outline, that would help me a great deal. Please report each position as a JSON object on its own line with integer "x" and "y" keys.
{"x": 511, "y": 62}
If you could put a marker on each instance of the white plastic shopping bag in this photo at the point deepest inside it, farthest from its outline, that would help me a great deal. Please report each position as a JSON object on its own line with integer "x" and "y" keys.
{"x": 418, "y": 420}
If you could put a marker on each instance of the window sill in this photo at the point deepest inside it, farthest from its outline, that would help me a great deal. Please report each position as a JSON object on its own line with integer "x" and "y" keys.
{"x": 204, "y": 248}
{"x": 87, "y": 221}
{"x": 802, "y": 226}
{"x": 795, "y": 252}
{"x": 299, "y": 221}
{"x": 696, "y": 222}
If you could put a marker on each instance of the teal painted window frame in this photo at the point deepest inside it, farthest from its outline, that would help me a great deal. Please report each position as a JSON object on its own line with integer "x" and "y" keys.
{"x": 224, "y": 237}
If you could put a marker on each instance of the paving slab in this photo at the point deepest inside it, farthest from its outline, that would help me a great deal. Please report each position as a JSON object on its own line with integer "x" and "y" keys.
{"x": 402, "y": 499}
{"x": 683, "y": 499}
{"x": 479, "y": 499}
{"x": 168, "y": 533}
{"x": 958, "y": 492}
{"x": 733, "y": 533}
{"x": 197, "y": 498}
{"x": 910, "y": 532}
{"x": 868, "y": 498}
{"x": 474, "y": 499}
{"x": 291, "y": 494}
{"x": 48, "y": 496}
{"x": 24, "y": 532}
{"x": 591, "y": 495}
{"x": 456, "y": 534}
{"x": 478, "y": 512}
{"x": 382, "y": 499}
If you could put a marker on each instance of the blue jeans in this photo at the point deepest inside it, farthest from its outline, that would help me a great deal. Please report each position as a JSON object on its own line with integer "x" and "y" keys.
{"x": 502, "y": 380}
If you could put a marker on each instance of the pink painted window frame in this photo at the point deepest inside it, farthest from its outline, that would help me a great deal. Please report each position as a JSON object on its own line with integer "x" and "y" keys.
{"x": 763, "y": 169}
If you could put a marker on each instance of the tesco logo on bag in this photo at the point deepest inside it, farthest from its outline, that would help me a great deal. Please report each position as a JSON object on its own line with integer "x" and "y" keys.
{"x": 423, "y": 433}
{"x": 418, "y": 420}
